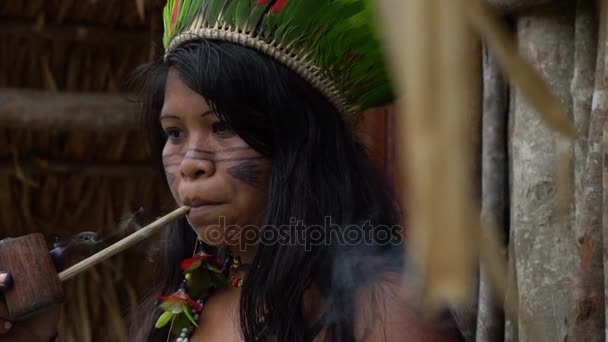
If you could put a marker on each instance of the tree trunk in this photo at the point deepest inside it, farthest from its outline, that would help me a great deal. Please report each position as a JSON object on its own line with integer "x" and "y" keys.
{"x": 605, "y": 206}
{"x": 586, "y": 314}
{"x": 585, "y": 55}
{"x": 543, "y": 241}
{"x": 490, "y": 320}
{"x": 512, "y": 295}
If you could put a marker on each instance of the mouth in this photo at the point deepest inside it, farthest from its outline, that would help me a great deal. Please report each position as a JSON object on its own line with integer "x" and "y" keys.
{"x": 199, "y": 207}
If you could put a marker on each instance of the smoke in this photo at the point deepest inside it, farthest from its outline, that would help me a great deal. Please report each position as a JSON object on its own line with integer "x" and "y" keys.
{"x": 88, "y": 242}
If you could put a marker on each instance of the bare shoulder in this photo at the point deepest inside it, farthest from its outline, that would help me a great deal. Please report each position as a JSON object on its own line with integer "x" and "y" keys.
{"x": 382, "y": 314}
{"x": 219, "y": 320}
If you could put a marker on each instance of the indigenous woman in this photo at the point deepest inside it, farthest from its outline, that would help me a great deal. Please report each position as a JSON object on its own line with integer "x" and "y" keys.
{"x": 292, "y": 234}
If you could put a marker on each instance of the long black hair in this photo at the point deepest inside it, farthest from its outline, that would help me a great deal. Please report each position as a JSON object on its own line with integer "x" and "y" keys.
{"x": 321, "y": 177}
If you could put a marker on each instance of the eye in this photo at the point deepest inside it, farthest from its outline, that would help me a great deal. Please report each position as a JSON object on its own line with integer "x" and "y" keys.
{"x": 222, "y": 128}
{"x": 173, "y": 134}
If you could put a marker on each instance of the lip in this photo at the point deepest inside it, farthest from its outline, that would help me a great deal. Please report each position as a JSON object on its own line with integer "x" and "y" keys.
{"x": 194, "y": 202}
{"x": 199, "y": 207}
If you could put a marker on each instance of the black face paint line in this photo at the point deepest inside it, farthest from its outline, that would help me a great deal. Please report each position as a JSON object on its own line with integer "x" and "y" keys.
{"x": 169, "y": 155}
{"x": 223, "y": 159}
{"x": 170, "y": 177}
{"x": 214, "y": 155}
{"x": 248, "y": 172}
{"x": 230, "y": 149}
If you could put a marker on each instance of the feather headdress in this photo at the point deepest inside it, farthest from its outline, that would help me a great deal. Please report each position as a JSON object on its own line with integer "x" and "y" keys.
{"x": 333, "y": 44}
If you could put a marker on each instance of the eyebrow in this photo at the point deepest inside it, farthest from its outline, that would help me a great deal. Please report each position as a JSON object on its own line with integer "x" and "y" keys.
{"x": 210, "y": 111}
{"x": 170, "y": 116}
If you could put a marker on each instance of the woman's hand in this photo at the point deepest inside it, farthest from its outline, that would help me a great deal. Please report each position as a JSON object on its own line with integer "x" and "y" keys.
{"x": 41, "y": 327}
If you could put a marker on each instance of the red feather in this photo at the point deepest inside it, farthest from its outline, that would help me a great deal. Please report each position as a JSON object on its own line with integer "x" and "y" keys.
{"x": 179, "y": 298}
{"x": 195, "y": 305}
{"x": 262, "y": 2}
{"x": 278, "y": 6}
{"x": 174, "y": 15}
{"x": 189, "y": 262}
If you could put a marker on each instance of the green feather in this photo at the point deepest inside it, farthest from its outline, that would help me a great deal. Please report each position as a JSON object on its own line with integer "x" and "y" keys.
{"x": 186, "y": 12}
{"x": 255, "y": 17}
{"x": 241, "y": 14}
{"x": 213, "y": 11}
{"x": 339, "y": 36}
{"x": 229, "y": 15}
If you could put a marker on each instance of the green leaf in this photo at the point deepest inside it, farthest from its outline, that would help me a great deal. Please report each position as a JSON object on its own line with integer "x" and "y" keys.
{"x": 220, "y": 281}
{"x": 199, "y": 283}
{"x": 172, "y": 305}
{"x": 164, "y": 318}
{"x": 189, "y": 315}
{"x": 213, "y": 268}
{"x": 180, "y": 322}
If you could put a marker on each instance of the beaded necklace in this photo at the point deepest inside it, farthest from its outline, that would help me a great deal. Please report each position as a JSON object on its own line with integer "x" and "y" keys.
{"x": 204, "y": 274}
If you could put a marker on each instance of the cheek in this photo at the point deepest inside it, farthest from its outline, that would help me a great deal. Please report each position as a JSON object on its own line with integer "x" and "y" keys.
{"x": 250, "y": 206}
{"x": 171, "y": 164}
{"x": 172, "y": 180}
{"x": 251, "y": 197}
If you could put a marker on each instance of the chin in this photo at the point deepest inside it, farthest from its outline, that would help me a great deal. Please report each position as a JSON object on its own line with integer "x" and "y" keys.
{"x": 212, "y": 235}
{"x": 216, "y": 236}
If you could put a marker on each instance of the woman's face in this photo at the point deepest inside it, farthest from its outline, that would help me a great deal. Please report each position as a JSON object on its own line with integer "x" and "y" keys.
{"x": 210, "y": 168}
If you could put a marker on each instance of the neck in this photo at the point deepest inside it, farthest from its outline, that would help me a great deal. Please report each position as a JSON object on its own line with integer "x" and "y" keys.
{"x": 246, "y": 256}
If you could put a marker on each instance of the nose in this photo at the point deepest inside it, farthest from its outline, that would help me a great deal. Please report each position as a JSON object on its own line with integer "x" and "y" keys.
{"x": 194, "y": 166}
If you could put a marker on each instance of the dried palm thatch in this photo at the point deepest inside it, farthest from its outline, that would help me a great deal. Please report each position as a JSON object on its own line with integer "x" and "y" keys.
{"x": 72, "y": 176}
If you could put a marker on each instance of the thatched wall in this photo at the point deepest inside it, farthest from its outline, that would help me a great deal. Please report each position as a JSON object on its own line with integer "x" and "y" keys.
{"x": 75, "y": 177}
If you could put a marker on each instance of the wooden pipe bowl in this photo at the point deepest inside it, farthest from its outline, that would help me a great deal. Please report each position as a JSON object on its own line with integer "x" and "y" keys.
{"x": 36, "y": 285}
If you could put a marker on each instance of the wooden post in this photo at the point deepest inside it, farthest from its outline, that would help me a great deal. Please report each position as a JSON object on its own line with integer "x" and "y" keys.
{"x": 66, "y": 111}
{"x": 543, "y": 242}
{"x": 586, "y": 314}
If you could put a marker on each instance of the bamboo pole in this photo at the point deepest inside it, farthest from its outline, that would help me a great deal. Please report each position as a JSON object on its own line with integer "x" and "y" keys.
{"x": 431, "y": 46}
